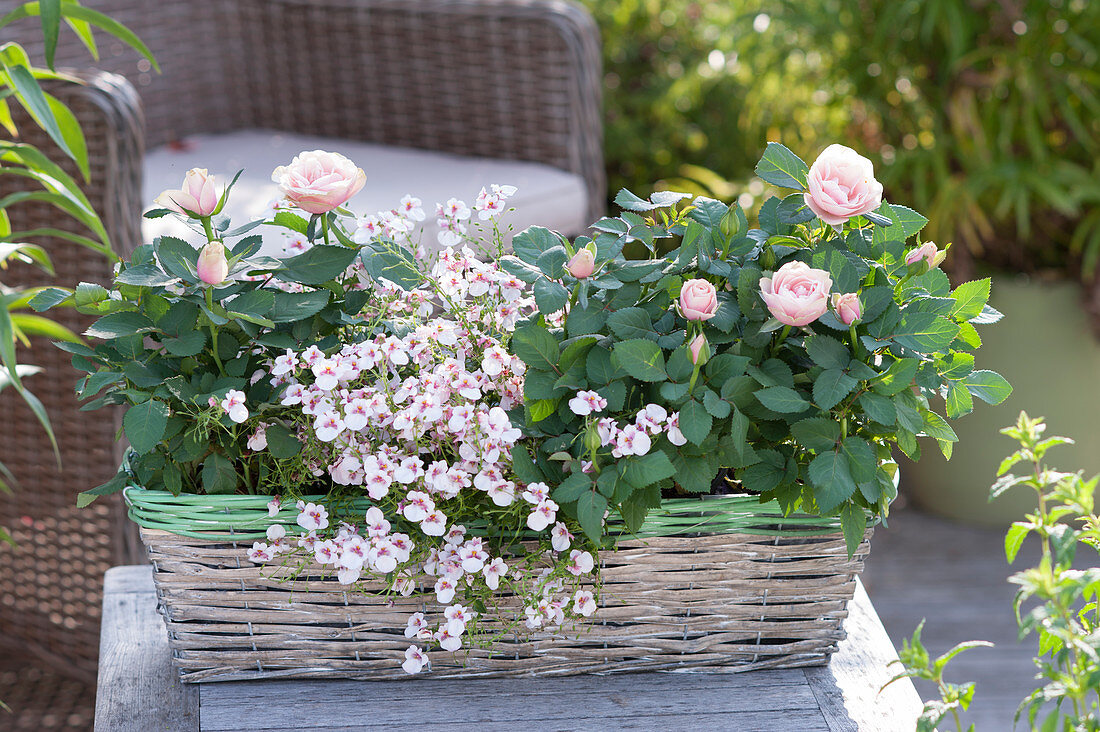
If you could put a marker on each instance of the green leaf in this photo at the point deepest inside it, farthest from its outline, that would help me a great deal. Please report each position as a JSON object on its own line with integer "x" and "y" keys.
{"x": 695, "y": 474}
{"x": 970, "y": 298}
{"x": 573, "y": 350}
{"x": 782, "y": 399}
{"x": 853, "y": 522}
{"x": 144, "y": 275}
{"x": 925, "y": 332}
{"x": 317, "y": 265}
{"x": 936, "y": 426}
{"x": 898, "y": 377}
{"x": 529, "y": 244}
{"x": 908, "y": 220}
{"x": 541, "y": 409}
{"x": 47, "y": 298}
{"x": 862, "y": 463}
{"x": 695, "y": 422}
{"x": 218, "y": 475}
{"x": 118, "y": 30}
{"x": 281, "y": 442}
{"x": 178, "y": 258}
{"x": 646, "y": 470}
{"x": 582, "y": 321}
{"x": 32, "y": 98}
{"x": 187, "y": 344}
{"x": 832, "y": 480}
{"x": 631, "y": 323}
{"x": 831, "y": 386}
{"x": 536, "y": 347}
{"x": 114, "y": 485}
{"x": 717, "y": 406}
{"x": 144, "y": 424}
{"x": 1014, "y": 539}
{"x": 781, "y": 167}
{"x": 570, "y": 489}
{"x": 958, "y": 401}
{"x": 879, "y": 408}
{"x": 550, "y": 296}
{"x": 766, "y": 474}
{"x": 725, "y": 366}
{"x": 599, "y": 368}
{"x": 118, "y": 325}
{"x": 590, "y": 510}
{"x": 827, "y": 352}
{"x": 290, "y": 307}
{"x": 50, "y": 10}
{"x": 524, "y": 466}
{"x": 816, "y": 433}
{"x": 955, "y": 366}
{"x": 989, "y": 386}
{"x": 640, "y": 358}
{"x": 291, "y": 221}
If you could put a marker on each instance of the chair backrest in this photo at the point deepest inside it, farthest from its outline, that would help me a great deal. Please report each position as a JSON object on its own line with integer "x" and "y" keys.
{"x": 515, "y": 79}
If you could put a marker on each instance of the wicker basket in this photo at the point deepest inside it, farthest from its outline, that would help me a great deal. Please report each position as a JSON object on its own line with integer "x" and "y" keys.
{"x": 725, "y": 582}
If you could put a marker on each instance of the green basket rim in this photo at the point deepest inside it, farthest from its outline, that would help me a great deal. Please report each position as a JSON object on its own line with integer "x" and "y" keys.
{"x": 245, "y": 517}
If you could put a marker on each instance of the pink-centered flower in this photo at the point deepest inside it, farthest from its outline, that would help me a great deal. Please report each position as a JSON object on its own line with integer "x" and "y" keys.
{"x": 587, "y": 402}
{"x": 415, "y": 660}
{"x": 797, "y": 294}
{"x": 698, "y": 300}
{"x": 313, "y": 517}
{"x": 841, "y": 184}
{"x": 584, "y": 603}
{"x": 317, "y": 181}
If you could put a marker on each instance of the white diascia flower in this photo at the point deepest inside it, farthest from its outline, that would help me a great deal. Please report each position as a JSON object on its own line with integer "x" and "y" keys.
{"x": 415, "y": 660}
{"x": 583, "y": 603}
{"x": 233, "y": 404}
{"x": 580, "y": 563}
{"x": 313, "y": 517}
{"x": 587, "y": 402}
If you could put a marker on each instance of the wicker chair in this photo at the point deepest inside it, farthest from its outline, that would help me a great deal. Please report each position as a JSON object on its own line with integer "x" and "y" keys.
{"x": 511, "y": 79}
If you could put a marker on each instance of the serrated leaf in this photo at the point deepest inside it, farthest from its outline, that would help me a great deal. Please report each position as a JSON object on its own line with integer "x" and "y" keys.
{"x": 781, "y": 167}
{"x": 989, "y": 386}
{"x": 879, "y": 408}
{"x": 119, "y": 325}
{"x": 529, "y": 244}
{"x": 1014, "y": 539}
{"x": 281, "y": 442}
{"x": 536, "y": 347}
{"x": 898, "y": 377}
{"x": 717, "y": 406}
{"x": 647, "y": 469}
{"x": 831, "y": 386}
{"x": 289, "y": 307}
{"x": 970, "y": 299}
{"x": 640, "y": 358}
{"x": 550, "y": 296}
{"x": 925, "y": 332}
{"x": 862, "y": 463}
{"x": 695, "y": 422}
{"x": 590, "y": 510}
{"x": 187, "y": 344}
{"x": 631, "y": 323}
{"x": 816, "y": 433}
{"x": 958, "y": 401}
{"x": 782, "y": 399}
{"x": 853, "y": 523}
{"x": 832, "y": 480}
{"x": 827, "y": 352}
{"x": 144, "y": 424}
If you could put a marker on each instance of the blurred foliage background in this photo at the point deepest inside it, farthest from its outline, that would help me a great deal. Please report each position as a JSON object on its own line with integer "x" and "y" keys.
{"x": 982, "y": 114}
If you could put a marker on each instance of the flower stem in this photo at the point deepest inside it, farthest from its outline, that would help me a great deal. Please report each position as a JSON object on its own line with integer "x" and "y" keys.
{"x": 324, "y": 227}
{"x": 782, "y": 337}
{"x": 208, "y": 228}
{"x": 214, "y": 331}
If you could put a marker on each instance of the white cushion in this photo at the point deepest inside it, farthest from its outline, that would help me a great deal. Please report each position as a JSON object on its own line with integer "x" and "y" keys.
{"x": 545, "y": 196}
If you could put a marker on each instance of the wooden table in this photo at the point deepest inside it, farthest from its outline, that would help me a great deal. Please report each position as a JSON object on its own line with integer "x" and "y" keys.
{"x": 139, "y": 690}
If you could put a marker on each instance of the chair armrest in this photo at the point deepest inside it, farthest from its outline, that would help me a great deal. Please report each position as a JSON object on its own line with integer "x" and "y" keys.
{"x": 515, "y": 79}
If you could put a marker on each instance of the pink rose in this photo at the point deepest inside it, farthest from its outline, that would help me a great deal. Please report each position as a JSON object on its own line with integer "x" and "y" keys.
{"x": 212, "y": 266}
{"x": 797, "y": 294}
{"x": 197, "y": 195}
{"x": 698, "y": 300}
{"x": 928, "y": 252}
{"x": 847, "y": 306}
{"x": 842, "y": 185}
{"x": 317, "y": 181}
{"x": 582, "y": 264}
{"x": 699, "y": 351}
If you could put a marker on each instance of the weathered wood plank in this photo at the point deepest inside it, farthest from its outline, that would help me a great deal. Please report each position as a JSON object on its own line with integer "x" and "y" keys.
{"x": 138, "y": 688}
{"x": 847, "y": 690}
{"x": 569, "y": 703}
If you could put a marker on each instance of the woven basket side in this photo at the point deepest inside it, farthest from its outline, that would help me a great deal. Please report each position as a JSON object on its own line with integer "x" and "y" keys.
{"x": 736, "y": 601}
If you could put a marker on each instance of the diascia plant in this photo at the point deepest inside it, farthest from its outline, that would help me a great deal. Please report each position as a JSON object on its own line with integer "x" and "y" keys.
{"x": 792, "y": 356}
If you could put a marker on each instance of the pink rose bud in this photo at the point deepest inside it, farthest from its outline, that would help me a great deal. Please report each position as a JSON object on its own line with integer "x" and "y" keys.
{"x": 197, "y": 196}
{"x": 212, "y": 266}
{"x": 797, "y": 294}
{"x": 700, "y": 353}
{"x": 847, "y": 306}
{"x": 582, "y": 264}
{"x": 928, "y": 252}
{"x": 698, "y": 300}
{"x": 317, "y": 181}
{"x": 841, "y": 185}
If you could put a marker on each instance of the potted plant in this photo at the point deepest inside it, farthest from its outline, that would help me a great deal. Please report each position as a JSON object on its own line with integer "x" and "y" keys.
{"x": 462, "y": 457}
